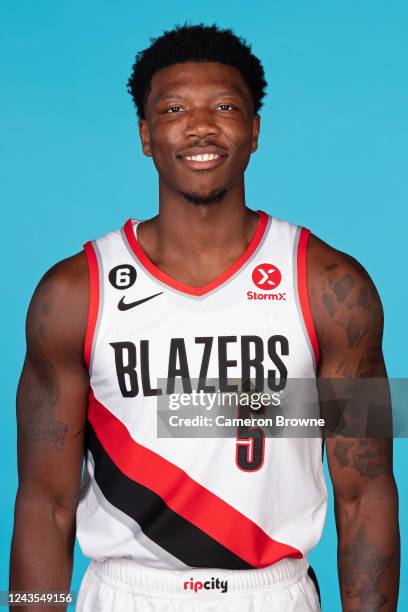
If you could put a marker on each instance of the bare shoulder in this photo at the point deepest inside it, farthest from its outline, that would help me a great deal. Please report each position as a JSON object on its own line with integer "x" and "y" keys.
{"x": 345, "y": 304}
{"x": 66, "y": 273}
{"x": 326, "y": 262}
{"x": 59, "y": 307}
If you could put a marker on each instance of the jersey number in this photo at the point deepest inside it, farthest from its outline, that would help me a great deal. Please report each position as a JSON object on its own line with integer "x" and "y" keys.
{"x": 250, "y": 444}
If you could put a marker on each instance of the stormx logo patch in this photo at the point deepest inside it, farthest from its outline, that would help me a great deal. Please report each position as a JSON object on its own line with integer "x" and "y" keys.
{"x": 276, "y": 297}
{"x": 267, "y": 277}
{"x": 208, "y": 585}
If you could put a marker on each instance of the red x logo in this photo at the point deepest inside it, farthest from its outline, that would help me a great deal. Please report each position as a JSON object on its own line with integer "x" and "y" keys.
{"x": 266, "y": 276}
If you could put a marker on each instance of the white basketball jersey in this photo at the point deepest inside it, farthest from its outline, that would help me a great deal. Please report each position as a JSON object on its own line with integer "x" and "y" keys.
{"x": 176, "y": 502}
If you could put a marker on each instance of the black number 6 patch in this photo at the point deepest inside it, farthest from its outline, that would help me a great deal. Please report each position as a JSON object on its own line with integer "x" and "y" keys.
{"x": 122, "y": 277}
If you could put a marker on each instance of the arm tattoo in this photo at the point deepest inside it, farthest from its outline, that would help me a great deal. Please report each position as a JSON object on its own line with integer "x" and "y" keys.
{"x": 342, "y": 287}
{"x": 37, "y": 399}
{"x": 39, "y": 391}
{"x": 350, "y": 323}
{"x": 351, "y": 305}
{"x": 361, "y": 570}
{"x": 369, "y": 458}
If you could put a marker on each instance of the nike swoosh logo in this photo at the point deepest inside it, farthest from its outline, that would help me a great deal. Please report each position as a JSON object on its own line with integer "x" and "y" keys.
{"x": 123, "y": 306}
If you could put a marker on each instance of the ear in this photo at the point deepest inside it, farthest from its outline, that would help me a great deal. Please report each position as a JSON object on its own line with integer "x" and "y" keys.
{"x": 256, "y": 126}
{"x": 144, "y": 134}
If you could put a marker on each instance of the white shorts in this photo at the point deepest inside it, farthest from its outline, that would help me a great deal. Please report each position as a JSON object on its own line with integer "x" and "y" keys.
{"x": 120, "y": 585}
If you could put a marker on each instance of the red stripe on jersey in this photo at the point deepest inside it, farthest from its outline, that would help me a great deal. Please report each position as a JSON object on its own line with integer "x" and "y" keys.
{"x": 168, "y": 280}
{"x": 93, "y": 300}
{"x": 303, "y": 293}
{"x": 184, "y": 495}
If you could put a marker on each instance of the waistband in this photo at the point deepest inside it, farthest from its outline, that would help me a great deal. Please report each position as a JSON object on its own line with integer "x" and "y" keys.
{"x": 127, "y": 574}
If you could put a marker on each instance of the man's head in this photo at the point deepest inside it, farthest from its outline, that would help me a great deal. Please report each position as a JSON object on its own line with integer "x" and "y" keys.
{"x": 197, "y": 91}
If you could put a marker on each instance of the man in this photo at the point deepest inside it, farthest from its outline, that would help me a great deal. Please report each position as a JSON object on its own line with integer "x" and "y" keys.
{"x": 208, "y": 289}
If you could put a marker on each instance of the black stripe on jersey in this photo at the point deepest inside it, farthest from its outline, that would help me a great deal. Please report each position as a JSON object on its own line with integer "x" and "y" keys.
{"x": 157, "y": 521}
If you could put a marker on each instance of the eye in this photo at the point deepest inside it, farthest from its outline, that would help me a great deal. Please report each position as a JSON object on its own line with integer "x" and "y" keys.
{"x": 173, "y": 109}
{"x": 225, "y": 107}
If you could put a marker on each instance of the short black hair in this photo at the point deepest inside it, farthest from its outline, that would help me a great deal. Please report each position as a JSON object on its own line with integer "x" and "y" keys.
{"x": 195, "y": 43}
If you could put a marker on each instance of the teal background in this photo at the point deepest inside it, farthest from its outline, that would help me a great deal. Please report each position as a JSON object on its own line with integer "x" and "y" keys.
{"x": 333, "y": 157}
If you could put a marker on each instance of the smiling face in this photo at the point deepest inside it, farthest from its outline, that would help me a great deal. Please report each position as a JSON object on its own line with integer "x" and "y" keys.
{"x": 200, "y": 129}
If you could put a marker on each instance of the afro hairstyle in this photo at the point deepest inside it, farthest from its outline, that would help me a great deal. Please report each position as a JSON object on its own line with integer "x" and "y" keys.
{"x": 195, "y": 43}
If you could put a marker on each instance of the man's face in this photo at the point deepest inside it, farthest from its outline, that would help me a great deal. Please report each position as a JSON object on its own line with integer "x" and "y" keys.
{"x": 200, "y": 128}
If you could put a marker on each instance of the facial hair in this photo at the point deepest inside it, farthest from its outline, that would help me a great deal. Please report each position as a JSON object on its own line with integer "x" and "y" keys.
{"x": 214, "y": 196}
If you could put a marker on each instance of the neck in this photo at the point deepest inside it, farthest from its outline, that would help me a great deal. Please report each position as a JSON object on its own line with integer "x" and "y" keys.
{"x": 189, "y": 228}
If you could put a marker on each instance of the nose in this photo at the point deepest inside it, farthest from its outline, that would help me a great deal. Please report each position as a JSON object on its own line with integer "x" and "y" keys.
{"x": 201, "y": 123}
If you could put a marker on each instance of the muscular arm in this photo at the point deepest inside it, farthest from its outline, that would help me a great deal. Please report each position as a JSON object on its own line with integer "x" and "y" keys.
{"x": 349, "y": 323}
{"x": 51, "y": 409}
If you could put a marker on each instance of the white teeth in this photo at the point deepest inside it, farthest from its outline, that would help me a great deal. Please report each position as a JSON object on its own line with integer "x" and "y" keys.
{"x": 203, "y": 157}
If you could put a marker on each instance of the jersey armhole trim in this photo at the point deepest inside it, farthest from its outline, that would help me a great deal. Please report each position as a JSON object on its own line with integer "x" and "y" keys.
{"x": 303, "y": 293}
{"x": 93, "y": 308}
